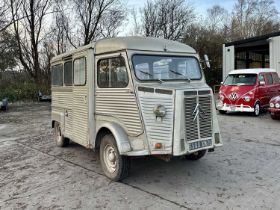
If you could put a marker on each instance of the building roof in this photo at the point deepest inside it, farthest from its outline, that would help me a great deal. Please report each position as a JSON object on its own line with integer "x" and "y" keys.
{"x": 259, "y": 39}
{"x": 131, "y": 43}
{"x": 251, "y": 71}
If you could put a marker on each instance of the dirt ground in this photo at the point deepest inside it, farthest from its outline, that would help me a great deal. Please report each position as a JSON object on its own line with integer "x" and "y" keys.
{"x": 35, "y": 174}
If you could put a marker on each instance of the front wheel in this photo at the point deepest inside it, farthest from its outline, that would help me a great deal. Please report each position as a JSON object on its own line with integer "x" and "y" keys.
{"x": 222, "y": 111}
{"x": 115, "y": 166}
{"x": 273, "y": 117}
{"x": 196, "y": 155}
{"x": 257, "y": 109}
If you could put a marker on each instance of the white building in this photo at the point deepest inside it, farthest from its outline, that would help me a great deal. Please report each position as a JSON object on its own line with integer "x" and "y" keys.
{"x": 256, "y": 52}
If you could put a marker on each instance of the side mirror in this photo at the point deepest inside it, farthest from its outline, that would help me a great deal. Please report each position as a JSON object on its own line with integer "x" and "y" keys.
{"x": 222, "y": 83}
{"x": 207, "y": 62}
{"x": 262, "y": 83}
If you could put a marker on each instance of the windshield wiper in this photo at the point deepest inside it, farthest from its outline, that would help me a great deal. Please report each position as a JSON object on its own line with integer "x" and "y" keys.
{"x": 178, "y": 73}
{"x": 158, "y": 80}
{"x": 146, "y": 73}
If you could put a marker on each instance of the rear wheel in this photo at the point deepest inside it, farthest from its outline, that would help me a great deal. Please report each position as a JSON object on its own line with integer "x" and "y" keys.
{"x": 257, "y": 109}
{"x": 196, "y": 155}
{"x": 58, "y": 137}
{"x": 115, "y": 166}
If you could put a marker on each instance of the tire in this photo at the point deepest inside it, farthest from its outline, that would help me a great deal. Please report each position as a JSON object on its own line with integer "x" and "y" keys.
{"x": 196, "y": 155}
{"x": 115, "y": 166}
{"x": 60, "y": 140}
{"x": 257, "y": 109}
{"x": 222, "y": 112}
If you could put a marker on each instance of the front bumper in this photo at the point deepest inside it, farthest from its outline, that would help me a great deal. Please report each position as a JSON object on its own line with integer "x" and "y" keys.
{"x": 233, "y": 108}
{"x": 274, "y": 111}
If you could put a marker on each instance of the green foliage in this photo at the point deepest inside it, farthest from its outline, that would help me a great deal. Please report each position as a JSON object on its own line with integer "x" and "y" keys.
{"x": 21, "y": 91}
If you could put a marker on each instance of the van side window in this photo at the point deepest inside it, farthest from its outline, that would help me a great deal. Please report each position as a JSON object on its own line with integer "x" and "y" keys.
{"x": 57, "y": 75}
{"x": 261, "y": 78}
{"x": 269, "y": 79}
{"x": 275, "y": 78}
{"x": 68, "y": 73}
{"x": 80, "y": 71}
{"x": 112, "y": 73}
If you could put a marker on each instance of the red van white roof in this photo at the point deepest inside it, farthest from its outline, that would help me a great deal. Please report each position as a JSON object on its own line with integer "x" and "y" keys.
{"x": 252, "y": 71}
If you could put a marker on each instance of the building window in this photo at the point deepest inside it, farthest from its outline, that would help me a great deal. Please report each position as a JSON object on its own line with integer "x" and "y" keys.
{"x": 57, "y": 75}
{"x": 80, "y": 71}
{"x": 112, "y": 73}
{"x": 68, "y": 73}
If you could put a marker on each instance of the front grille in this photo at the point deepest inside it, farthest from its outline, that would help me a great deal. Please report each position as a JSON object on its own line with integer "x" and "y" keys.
{"x": 198, "y": 116}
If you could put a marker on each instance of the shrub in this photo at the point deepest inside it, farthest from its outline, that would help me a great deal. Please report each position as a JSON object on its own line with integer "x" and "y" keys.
{"x": 21, "y": 91}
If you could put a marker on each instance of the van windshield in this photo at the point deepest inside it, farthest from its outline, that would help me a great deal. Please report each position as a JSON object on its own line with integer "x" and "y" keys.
{"x": 240, "y": 80}
{"x": 158, "y": 67}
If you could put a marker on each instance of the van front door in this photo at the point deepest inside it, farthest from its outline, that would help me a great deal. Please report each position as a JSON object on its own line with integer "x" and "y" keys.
{"x": 115, "y": 96}
{"x": 262, "y": 90}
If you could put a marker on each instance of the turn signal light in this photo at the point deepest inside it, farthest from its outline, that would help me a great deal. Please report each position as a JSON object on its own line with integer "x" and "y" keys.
{"x": 158, "y": 145}
{"x": 217, "y": 138}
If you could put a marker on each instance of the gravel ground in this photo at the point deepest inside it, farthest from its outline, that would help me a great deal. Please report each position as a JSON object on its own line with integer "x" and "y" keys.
{"x": 34, "y": 174}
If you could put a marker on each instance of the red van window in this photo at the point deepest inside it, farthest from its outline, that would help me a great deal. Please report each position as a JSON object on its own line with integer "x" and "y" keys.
{"x": 275, "y": 78}
{"x": 269, "y": 79}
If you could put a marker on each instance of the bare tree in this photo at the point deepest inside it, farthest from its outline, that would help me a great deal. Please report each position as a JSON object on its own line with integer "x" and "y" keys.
{"x": 252, "y": 18}
{"x": 216, "y": 19}
{"x": 60, "y": 27}
{"x": 136, "y": 27}
{"x": 28, "y": 32}
{"x": 167, "y": 18}
{"x": 93, "y": 19}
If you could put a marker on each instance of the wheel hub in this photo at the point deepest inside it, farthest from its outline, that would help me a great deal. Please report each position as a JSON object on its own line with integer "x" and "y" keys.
{"x": 110, "y": 158}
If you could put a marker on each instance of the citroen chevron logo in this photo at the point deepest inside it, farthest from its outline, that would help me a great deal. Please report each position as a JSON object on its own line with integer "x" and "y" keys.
{"x": 198, "y": 112}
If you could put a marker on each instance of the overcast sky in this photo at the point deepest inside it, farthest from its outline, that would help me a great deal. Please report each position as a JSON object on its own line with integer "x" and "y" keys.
{"x": 200, "y": 7}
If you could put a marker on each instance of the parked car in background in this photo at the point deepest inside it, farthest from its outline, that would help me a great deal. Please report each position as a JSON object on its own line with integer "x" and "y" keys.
{"x": 43, "y": 97}
{"x": 4, "y": 104}
{"x": 274, "y": 107}
{"x": 248, "y": 90}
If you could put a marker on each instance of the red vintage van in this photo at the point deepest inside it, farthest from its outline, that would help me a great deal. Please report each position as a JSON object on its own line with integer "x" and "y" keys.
{"x": 248, "y": 90}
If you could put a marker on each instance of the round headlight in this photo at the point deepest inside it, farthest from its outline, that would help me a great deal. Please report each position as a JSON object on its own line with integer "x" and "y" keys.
{"x": 247, "y": 98}
{"x": 271, "y": 105}
{"x": 277, "y": 105}
{"x": 159, "y": 110}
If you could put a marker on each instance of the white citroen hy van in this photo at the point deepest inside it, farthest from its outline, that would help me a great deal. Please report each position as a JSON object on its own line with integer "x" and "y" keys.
{"x": 133, "y": 96}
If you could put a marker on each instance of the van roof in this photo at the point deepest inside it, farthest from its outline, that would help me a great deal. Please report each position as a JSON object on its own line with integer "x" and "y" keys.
{"x": 131, "y": 43}
{"x": 252, "y": 71}
{"x": 141, "y": 43}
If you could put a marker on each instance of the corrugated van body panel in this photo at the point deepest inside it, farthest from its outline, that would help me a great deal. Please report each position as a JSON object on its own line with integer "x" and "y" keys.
{"x": 62, "y": 102}
{"x": 158, "y": 130}
{"x": 122, "y": 105}
{"x": 80, "y": 115}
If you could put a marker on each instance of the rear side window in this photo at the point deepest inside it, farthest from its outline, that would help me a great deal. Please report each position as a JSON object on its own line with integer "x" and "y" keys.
{"x": 261, "y": 78}
{"x": 57, "y": 75}
{"x": 269, "y": 79}
{"x": 275, "y": 78}
{"x": 112, "y": 73}
{"x": 80, "y": 71}
{"x": 68, "y": 73}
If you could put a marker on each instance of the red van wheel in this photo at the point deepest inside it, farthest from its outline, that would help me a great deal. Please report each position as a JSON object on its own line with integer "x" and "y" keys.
{"x": 257, "y": 109}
